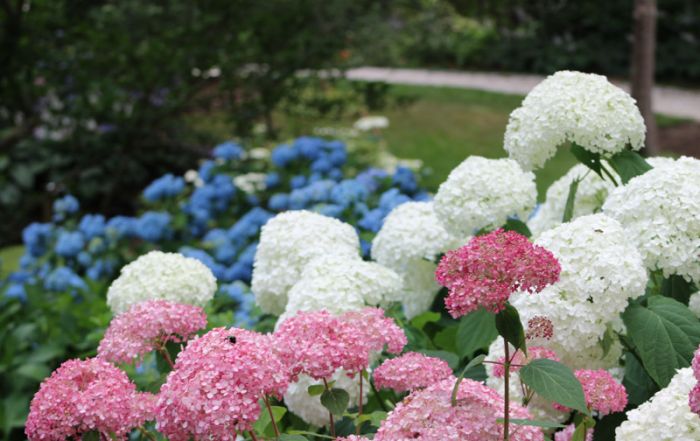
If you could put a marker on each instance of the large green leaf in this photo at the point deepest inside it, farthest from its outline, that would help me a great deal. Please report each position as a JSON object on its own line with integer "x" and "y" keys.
{"x": 677, "y": 288}
{"x": 474, "y": 362}
{"x": 477, "y": 330}
{"x": 518, "y": 226}
{"x": 451, "y": 358}
{"x": 665, "y": 334}
{"x": 335, "y": 400}
{"x": 510, "y": 328}
{"x": 555, "y": 382}
{"x": 629, "y": 164}
{"x": 640, "y": 387}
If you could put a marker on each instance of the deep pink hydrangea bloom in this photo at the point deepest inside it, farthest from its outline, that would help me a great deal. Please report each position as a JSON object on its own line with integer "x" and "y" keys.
{"x": 215, "y": 388}
{"x": 540, "y": 327}
{"x": 519, "y": 359}
{"x": 319, "y": 343}
{"x": 603, "y": 393}
{"x": 147, "y": 326}
{"x": 487, "y": 270}
{"x": 428, "y": 415}
{"x": 86, "y": 395}
{"x": 568, "y": 432}
{"x": 694, "y": 396}
{"x": 410, "y": 371}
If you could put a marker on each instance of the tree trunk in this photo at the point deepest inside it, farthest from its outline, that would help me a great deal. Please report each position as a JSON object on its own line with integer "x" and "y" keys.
{"x": 643, "y": 60}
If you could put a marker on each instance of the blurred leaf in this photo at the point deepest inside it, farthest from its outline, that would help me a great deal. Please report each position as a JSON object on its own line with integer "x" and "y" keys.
{"x": 427, "y": 317}
{"x": 34, "y": 371}
{"x": 335, "y": 400}
{"x": 518, "y": 226}
{"x": 477, "y": 330}
{"x": 315, "y": 389}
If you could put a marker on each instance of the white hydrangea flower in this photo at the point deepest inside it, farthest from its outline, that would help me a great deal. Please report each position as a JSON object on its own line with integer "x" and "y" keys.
{"x": 694, "y": 303}
{"x": 339, "y": 284}
{"x": 483, "y": 193}
{"x": 572, "y": 106}
{"x": 411, "y": 232}
{"x": 288, "y": 242}
{"x": 590, "y": 195}
{"x": 661, "y": 212}
{"x": 419, "y": 287}
{"x": 165, "y": 276}
{"x": 600, "y": 272}
{"x": 367, "y": 123}
{"x": 666, "y": 416}
{"x": 309, "y": 408}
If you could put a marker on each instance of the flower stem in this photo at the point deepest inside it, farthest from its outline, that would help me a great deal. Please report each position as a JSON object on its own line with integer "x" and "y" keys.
{"x": 330, "y": 414}
{"x": 252, "y": 435}
{"x": 506, "y": 393}
{"x": 146, "y": 433}
{"x": 358, "y": 426}
{"x": 164, "y": 352}
{"x": 272, "y": 417}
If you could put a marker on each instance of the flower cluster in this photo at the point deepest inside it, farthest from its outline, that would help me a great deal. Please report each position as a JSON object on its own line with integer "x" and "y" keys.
{"x": 568, "y": 433}
{"x": 603, "y": 393}
{"x": 149, "y": 326}
{"x": 428, "y": 414}
{"x": 83, "y": 396}
{"x": 659, "y": 210}
{"x": 666, "y": 416}
{"x": 572, "y": 106}
{"x": 411, "y": 371}
{"x": 694, "y": 396}
{"x": 166, "y": 276}
{"x": 519, "y": 360}
{"x": 486, "y": 271}
{"x": 483, "y": 193}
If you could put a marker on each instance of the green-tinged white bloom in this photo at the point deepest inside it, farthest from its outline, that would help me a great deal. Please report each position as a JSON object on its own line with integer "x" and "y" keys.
{"x": 572, "y": 106}
{"x": 161, "y": 276}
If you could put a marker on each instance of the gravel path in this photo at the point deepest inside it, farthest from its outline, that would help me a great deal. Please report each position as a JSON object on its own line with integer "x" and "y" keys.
{"x": 668, "y": 100}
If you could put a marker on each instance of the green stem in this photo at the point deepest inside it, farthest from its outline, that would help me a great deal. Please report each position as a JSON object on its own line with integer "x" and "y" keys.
{"x": 358, "y": 426}
{"x": 146, "y": 433}
{"x": 272, "y": 417}
{"x": 506, "y": 393}
{"x": 330, "y": 414}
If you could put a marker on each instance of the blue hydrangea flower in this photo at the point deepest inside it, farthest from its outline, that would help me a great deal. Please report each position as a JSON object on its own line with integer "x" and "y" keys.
{"x": 16, "y": 291}
{"x": 331, "y": 210}
{"x": 84, "y": 259}
{"x": 336, "y": 174}
{"x": 278, "y": 202}
{"x": 153, "y": 226}
{"x": 228, "y": 150}
{"x": 297, "y": 181}
{"x": 121, "y": 226}
{"x": 248, "y": 225}
{"x": 348, "y": 191}
{"x": 321, "y": 165}
{"x": 283, "y": 155}
{"x": 164, "y": 187}
{"x": 272, "y": 180}
{"x": 69, "y": 243}
{"x": 371, "y": 178}
{"x": 65, "y": 206}
{"x": 391, "y": 199}
{"x": 36, "y": 238}
{"x": 205, "y": 170}
{"x": 63, "y": 278}
{"x": 206, "y": 259}
{"x": 373, "y": 220}
{"x": 92, "y": 225}
{"x": 405, "y": 179}
{"x": 100, "y": 268}
{"x": 309, "y": 147}
{"x": 338, "y": 157}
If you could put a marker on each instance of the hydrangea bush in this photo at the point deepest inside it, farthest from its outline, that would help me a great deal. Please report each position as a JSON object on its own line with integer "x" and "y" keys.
{"x": 374, "y": 312}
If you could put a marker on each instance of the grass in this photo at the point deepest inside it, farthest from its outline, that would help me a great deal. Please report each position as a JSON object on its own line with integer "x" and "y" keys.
{"x": 9, "y": 259}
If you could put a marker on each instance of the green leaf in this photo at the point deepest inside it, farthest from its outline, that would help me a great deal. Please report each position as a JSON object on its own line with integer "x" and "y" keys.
{"x": 474, "y": 362}
{"x": 677, "y": 288}
{"x": 35, "y": 371}
{"x": 264, "y": 423}
{"x": 510, "y": 328}
{"x": 665, "y": 334}
{"x": 589, "y": 159}
{"x": 292, "y": 437}
{"x": 526, "y": 422}
{"x": 639, "y": 385}
{"x": 315, "y": 389}
{"x": 570, "y": 199}
{"x": 92, "y": 435}
{"x": 447, "y": 339}
{"x": 423, "y": 319}
{"x": 607, "y": 341}
{"x": 518, "y": 226}
{"x": 580, "y": 433}
{"x": 629, "y": 164}
{"x": 555, "y": 382}
{"x": 451, "y": 358}
{"x": 477, "y": 330}
{"x": 335, "y": 400}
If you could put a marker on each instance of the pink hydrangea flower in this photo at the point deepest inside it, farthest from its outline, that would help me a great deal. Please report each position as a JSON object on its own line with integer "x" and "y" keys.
{"x": 215, "y": 388}
{"x": 696, "y": 364}
{"x": 540, "y": 327}
{"x": 410, "y": 371}
{"x": 319, "y": 343}
{"x": 148, "y": 326}
{"x": 352, "y": 438}
{"x": 519, "y": 359}
{"x": 603, "y": 393}
{"x": 486, "y": 271}
{"x": 428, "y": 415}
{"x": 694, "y": 396}
{"x": 568, "y": 432}
{"x": 86, "y": 395}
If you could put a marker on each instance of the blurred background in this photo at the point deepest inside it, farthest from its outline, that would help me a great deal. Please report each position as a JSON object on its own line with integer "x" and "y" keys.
{"x": 98, "y": 98}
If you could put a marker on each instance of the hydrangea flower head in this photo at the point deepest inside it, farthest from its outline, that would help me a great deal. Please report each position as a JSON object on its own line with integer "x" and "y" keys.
{"x": 410, "y": 371}
{"x": 603, "y": 393}
{"x": 486, "y": 271}
{"x": 148, "y": 326}
{"x": 568, "y": 433}
{"x": 215, "y": 388}
{"x": 694, "y": 396}
{"x": 158, "y": 275}
{"x": 572, "y": 106}
{"x": 428, "y": 415}
{"x": 86, "y": 395}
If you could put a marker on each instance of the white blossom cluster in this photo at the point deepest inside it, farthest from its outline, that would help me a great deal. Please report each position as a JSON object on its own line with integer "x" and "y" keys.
{"x": 164, "y": 276}
{"x": 590, "y": 195}
{"x": 694, "y": 303}
{"x": 600, "y": 272}
{"x": 666, "y": 416}
{"x": 309, "y": 408}
{"x": 572, "y": 106}
{"x": 661, "y": 213}
{"x": 339, "y": 284}
{"x": 288, "y": 242}
{"x": 483, "y": 193}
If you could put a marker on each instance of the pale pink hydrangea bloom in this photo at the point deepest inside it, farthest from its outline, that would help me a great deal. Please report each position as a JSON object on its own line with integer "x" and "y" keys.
{"x": 428, "y": 415}
{"x": 487, "y": 270}
{"x": 147, "y": 326}
{"x": 318, "y": 343}
{"x": 539, "y": 327}
{"x": 694, "y": 396}
{"x": 568, "y": 432}
{"x": 410, "y": 371}
{"x": 215, "y": 388}
{"x": 519, "y": 359}
{"x": 352, "y": 438}
{"x": 86, "y": 395}
{"x": 603, "y": 393}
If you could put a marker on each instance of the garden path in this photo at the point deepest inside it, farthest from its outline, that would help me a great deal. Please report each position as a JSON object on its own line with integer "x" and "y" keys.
{"x": 671, "y": 101}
